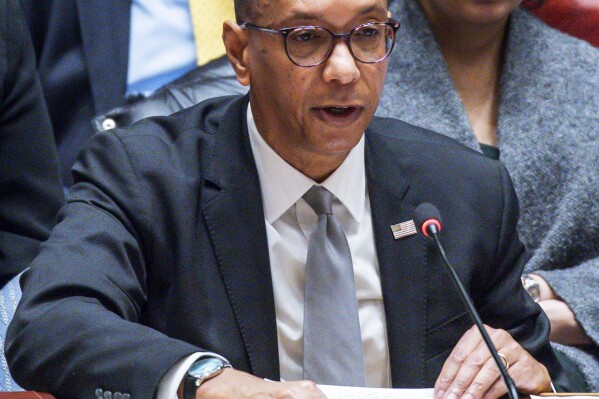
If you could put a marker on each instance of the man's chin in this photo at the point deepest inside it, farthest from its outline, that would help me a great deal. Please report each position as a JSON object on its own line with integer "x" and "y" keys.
{"x": 335, "y": 144}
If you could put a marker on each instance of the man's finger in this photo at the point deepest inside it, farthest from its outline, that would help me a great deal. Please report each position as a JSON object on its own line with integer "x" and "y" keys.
{"x": 466, "y": 362}
{"x": 486, "y": 378}
{"x": 300, "y": 390}
{"x": 475, "y": 367}
{"x": 469, "y": 341}
{"x": 497, "y": 390}
{"x": 530, "y": 376}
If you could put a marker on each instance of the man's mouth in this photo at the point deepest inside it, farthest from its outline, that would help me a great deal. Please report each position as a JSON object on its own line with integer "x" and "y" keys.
{"x": 339, "y": 110}
{"x": 338, "y": 114}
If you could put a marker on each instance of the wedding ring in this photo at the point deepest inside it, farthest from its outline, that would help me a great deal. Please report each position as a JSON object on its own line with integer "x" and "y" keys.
{"x": 504, "y": 360}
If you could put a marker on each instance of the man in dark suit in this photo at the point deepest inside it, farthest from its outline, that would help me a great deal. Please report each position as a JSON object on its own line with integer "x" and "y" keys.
{"x": 185, "y": 237}
{"x": 30, "y": 190}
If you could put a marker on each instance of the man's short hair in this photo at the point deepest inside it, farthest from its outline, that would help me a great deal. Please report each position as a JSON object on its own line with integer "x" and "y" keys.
{"x": 245, "y": 10}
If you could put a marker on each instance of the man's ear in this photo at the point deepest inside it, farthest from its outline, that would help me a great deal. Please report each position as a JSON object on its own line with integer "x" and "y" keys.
{"x": 236, "y": 42}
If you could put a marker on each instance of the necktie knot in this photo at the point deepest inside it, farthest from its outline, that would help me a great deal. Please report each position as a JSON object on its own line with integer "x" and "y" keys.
{"x": 320, "y": 200}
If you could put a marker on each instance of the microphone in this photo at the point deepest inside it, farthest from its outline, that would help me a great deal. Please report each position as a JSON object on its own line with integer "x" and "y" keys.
{"x": 428, "y": 219}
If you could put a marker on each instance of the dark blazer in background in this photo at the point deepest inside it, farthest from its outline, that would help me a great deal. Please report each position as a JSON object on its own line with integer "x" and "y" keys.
{"x": 82, "y": 50}
{"x": 82, "y": 47}
{"x": 30, "y": 189}
{"x": 162, "y": 251}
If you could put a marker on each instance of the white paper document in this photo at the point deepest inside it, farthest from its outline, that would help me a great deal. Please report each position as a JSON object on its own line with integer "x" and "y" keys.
{"x": 573, "y": 396}
{"x": 337, "y": 392}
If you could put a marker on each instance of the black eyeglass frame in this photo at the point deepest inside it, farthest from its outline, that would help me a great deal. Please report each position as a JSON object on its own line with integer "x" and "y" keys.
{"x": 335, "y": 36}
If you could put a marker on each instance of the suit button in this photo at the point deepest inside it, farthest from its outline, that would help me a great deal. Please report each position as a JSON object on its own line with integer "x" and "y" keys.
{"x": 107, "y": 395}
{"x": 117, "y": 395}
{"x": 99, "y": 393}
{"x": 108, "y": 124}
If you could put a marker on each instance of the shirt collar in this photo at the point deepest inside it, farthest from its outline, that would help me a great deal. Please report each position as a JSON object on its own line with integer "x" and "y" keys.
{"x": 282, "y": 185}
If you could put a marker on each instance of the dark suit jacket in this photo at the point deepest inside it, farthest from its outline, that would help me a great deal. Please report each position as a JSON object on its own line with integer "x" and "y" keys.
{"x": 82, "y": 50}
{"x": 162, "y": 251}
{"x": 30, "y": 190}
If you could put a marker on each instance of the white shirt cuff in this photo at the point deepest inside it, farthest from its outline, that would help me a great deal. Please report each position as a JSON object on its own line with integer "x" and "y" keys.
{"x": 168, "y": 386}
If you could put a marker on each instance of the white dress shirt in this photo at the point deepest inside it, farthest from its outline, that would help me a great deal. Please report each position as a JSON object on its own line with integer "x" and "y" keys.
{"x": 289, "y": 222}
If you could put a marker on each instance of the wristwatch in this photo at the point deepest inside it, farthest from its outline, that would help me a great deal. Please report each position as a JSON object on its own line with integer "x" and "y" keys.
{"x": 201, "y": 371}
{"x": 532, "y": 286}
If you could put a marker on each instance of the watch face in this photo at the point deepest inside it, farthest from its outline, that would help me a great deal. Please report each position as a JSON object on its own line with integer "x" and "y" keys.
{"x": 205, "y": 366}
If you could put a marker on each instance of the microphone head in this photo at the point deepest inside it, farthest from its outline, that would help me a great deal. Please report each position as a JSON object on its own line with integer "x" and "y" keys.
{"x": 427, "y": 215}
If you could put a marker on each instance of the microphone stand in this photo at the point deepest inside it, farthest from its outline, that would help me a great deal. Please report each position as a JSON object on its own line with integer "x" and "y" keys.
{"x": 511, "y": 387}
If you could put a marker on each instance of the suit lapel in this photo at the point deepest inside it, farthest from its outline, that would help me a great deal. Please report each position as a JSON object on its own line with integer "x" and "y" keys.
{"x": 105, "y": 35}
{"x": 401, "y": 262}
{"x": 234, "y": 214}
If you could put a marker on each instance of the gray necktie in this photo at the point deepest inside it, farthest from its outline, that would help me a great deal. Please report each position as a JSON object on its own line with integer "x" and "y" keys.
{"x": 332, "y": 341}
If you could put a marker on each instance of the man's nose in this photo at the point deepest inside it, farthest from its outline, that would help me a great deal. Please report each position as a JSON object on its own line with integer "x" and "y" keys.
{"x": 341, "y": 65}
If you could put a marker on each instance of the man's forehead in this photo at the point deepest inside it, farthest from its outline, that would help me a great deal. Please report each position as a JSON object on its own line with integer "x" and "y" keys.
{"x": 265, "y": 8}
{"x": 270, "y": 11}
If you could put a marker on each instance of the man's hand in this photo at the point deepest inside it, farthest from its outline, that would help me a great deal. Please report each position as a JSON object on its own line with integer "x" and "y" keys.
{"x": 237, "y": 384}
{"x": 471, "y": 373}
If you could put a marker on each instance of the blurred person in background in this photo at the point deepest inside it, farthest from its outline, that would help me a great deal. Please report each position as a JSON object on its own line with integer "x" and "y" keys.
{"x": 95, "y": 55}
{"x": 30, "y": 189}
{"x": 30, "y": 193}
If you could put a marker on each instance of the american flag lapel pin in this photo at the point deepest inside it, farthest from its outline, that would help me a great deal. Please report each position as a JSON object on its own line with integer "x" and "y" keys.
{"x": 403, "y": 229}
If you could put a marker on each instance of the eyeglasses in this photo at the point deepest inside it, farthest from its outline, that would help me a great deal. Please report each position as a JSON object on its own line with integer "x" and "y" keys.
{"x": 308, "y": 46}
